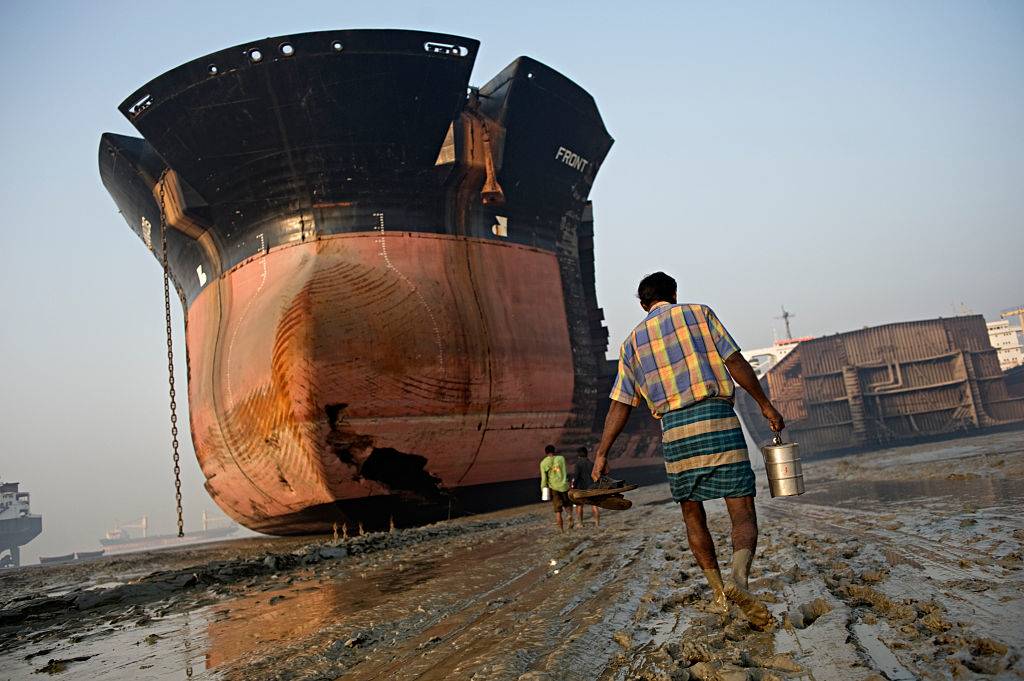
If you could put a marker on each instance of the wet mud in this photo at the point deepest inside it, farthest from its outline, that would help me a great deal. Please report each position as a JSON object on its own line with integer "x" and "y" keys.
{"x": 912, "y": 576}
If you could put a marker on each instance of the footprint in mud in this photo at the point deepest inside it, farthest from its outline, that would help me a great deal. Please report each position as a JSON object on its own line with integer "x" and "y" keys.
{"x": 793, "y": 575}
{"x": 874, "y": 576}
{"x": 681, "y": 598}
{"x": 771, "y": 582}
{"x": 782, "y": 662}
{"x": 934, "y": 622}
{"x": 895, "y": 558}
{"x": 704, "y": 655}
{"x": 849, "y": 551}
{"x": 808, "y": 613}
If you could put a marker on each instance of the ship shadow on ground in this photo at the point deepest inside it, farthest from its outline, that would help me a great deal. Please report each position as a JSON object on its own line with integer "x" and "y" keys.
{"x": 410, "y": 508}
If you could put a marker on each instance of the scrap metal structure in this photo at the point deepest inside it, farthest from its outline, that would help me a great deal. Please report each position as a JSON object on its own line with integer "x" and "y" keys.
{"x": 18, "y": 525}
{"x": 887, "y": 384}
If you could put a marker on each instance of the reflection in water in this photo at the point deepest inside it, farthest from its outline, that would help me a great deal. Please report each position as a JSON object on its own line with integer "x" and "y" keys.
{"x": 187, "y": 647}
{"x": 254, "y": 624}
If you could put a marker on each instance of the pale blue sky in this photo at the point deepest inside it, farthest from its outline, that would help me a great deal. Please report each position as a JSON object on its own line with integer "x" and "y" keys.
{"x": 860, "y": 162}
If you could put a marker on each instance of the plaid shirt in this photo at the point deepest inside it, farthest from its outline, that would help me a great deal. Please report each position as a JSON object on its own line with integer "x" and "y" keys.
{"x": 674, "y": 358}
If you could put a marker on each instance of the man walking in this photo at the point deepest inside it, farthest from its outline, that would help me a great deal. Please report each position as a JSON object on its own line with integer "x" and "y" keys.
{"x": 581, "y": 479}
{"x": 554, "y": 477}
{"x": 679, "y": 360}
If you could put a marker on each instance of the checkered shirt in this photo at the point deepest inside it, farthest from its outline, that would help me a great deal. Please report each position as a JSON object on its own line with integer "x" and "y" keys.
{"x": 675, "y": 358}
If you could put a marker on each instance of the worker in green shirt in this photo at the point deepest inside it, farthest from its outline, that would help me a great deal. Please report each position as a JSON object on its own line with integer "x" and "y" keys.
{"x": 554, "y": 476}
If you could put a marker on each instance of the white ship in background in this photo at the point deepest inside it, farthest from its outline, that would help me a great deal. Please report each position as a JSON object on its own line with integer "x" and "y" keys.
{"x": 763, "y": 359}
{"x": 119, "y": 540}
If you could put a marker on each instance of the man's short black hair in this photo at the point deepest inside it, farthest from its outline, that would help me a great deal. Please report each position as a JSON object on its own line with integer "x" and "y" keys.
{"x": 656, "y": 287}
{"x": 550, "y": 449}
{"x": 582, "y": 451}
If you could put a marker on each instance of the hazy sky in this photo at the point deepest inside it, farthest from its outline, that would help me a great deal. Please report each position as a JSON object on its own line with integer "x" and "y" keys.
{"x": 859, "y": 162}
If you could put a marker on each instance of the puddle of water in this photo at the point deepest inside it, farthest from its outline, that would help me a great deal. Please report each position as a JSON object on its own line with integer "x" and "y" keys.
{"x": 982, "y": 491}
{"x": 253, "y": 625}
{"x": 168, "y": 649}
{"x": 195, "y": 644}
{"x": 225, "y": 635}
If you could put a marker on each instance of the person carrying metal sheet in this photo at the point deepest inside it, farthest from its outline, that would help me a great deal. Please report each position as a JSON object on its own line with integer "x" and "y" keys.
{"x": 681, "y": 360}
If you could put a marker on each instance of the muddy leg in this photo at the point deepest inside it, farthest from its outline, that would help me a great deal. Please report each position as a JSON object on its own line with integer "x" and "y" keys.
{"x": 558, "y": 520}
{"x": 744, "y": 537}
{"x": 698, "y": 536}
{"x": 744, "y": 523}
{"x": 744, "y": 543}
{"x": 703, "y": 548}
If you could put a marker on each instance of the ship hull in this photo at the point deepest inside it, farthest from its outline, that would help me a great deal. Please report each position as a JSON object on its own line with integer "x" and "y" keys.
{"x": 387, "y": 275}
{"x": 384, "y": 364}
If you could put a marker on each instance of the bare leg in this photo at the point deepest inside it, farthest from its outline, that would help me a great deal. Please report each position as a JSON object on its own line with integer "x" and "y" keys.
{"x": 558, "y": 521}
{"x": 703, "y": 548}
{"x": 579, "y": 511}
{"x": 698, "y": 536}
{"x": 744, "y": 537}
{"x": 744, "y": 542}
{"x": 744, "y": 522}
{"x": 597, "y": 516}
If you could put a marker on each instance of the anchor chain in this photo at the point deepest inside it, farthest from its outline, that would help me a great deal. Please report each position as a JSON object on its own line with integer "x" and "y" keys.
{"x": 170, "y": 360}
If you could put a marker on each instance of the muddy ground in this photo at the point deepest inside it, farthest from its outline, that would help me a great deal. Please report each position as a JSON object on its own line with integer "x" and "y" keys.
{"x": 897, "y": 564}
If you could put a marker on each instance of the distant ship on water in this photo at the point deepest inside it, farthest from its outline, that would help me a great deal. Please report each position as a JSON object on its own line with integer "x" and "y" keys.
{"x": 119, "y": 541}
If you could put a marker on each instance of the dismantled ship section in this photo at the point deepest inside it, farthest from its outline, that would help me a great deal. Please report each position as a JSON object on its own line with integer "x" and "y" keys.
{"x": 18, "y": 525}
{"x": 387, "y": 274}
{"x": 887, "y": 384}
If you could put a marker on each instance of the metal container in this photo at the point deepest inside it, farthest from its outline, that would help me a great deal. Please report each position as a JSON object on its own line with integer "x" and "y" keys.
{"x": 782, "y": 463}
{"x": 545, "y": 494}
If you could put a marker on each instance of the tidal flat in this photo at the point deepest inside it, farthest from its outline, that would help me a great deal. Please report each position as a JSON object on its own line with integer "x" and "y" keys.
{"x": 903, "y": 563}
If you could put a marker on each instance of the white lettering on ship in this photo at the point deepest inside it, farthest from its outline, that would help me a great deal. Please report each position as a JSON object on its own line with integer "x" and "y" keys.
{"x": 571, "y": 159}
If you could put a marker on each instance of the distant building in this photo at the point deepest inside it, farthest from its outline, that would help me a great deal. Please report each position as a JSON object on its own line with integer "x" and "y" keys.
{"x": 1008, "y": 340}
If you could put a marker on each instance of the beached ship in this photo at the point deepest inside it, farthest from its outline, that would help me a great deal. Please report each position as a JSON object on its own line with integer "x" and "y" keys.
{"x": 889, "y": 384}
{"x": 387, "y": 274}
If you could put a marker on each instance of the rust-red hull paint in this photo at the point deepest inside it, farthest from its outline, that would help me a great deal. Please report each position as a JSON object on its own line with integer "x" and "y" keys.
{"x": 453, "y": 349}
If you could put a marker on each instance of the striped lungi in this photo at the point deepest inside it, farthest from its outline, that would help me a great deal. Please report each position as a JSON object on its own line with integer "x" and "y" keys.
{"x": 705, "y": 453}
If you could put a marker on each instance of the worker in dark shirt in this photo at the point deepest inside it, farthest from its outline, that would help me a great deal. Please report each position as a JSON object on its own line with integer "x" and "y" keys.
{"x": 581, "y": 479}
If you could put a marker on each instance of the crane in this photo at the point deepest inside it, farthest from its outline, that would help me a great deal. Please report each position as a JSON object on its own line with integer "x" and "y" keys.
{"x": 119, "y": 529}
{"x": 1014, "y": 312}
{"x": 786, "y": 316}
